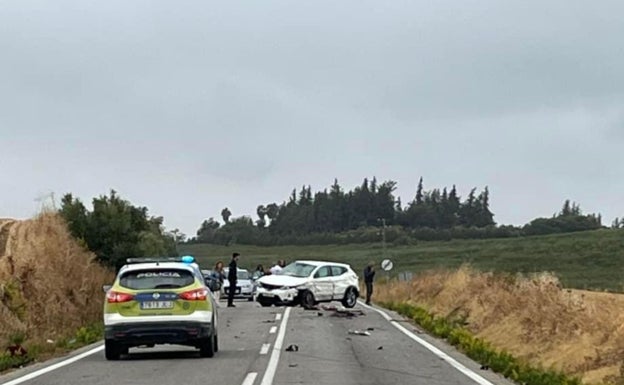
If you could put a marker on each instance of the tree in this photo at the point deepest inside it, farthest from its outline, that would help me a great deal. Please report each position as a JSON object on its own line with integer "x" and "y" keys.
{"x": 262, "y": 212}
{"x": 272, "y": 210}
{"x": 226, "y": 214}
{"x": 207, "y": 230}
{"x": 115, "y": 229}
{"x": 419, "y": 192}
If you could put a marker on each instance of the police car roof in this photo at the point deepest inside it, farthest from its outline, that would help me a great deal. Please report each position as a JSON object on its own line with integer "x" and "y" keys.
{"x": 159, "y": 265}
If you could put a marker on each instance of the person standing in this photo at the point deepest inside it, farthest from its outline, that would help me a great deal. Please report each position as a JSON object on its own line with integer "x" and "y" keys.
{"x": 369, "y": 277}
{"x": 277, "y": 268}
{"x": 232, "y": 278}
{"x": 218, "y": 276}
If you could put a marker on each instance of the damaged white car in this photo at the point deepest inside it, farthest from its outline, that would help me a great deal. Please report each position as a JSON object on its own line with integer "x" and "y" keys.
{"x": 308, "y": 283}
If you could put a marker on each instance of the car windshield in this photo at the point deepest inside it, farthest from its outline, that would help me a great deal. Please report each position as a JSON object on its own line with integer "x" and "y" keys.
{"x": 156, "y": 279}
{"x": 298, "y": 269}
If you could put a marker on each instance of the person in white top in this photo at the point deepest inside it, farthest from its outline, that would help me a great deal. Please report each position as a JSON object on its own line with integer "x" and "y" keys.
{"x": 278, "y": 267}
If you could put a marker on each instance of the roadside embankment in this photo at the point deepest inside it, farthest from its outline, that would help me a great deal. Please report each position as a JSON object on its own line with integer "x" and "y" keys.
{"x": 533, "y": 318}
{"x": 50, "y": 286}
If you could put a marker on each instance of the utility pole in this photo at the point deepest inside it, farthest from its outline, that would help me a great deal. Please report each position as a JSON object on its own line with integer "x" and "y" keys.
{"x": 383, "y": 236}
{"x": 383, "y": 243}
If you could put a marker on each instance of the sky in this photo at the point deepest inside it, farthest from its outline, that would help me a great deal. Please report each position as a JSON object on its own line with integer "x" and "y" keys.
{"x": 189, "y": 107}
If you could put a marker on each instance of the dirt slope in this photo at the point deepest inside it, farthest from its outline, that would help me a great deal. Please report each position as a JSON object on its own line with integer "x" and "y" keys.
{"x": 49, "y": 284}
{"x": 533, "y": 318}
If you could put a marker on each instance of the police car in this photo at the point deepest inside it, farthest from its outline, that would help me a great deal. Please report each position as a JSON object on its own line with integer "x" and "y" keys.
{"x": 159, "y": 301}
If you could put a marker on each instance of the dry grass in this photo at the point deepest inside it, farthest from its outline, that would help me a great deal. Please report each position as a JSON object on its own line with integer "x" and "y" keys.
{"x": 49, "y": 284}
{"x": 533, "y": 317}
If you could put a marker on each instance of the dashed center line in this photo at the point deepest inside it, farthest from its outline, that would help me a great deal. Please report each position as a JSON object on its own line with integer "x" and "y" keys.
{"x": 273, "y": 330}
{"x": 265, "y": 348}
{"x": 269, "y": 374}
{"x": 250, "y": 378}
{"x": 278, "y": 316}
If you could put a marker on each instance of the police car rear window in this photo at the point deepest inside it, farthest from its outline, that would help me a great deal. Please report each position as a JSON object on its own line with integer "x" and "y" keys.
{"x": 156, "y": 279}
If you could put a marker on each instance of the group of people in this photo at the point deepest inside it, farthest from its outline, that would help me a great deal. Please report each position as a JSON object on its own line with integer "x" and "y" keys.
{"x": 219, "y": 271}
{"x": 232, "y": 277}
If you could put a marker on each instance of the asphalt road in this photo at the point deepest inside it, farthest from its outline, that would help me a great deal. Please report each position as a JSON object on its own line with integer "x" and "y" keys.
{"x": 254, "y": 344}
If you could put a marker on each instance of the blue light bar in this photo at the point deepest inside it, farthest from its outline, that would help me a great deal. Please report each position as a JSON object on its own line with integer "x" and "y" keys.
{"x": 188, "y": 259}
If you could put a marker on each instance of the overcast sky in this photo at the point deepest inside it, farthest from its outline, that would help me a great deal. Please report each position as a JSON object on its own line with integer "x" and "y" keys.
{"x": 188, "y": 107}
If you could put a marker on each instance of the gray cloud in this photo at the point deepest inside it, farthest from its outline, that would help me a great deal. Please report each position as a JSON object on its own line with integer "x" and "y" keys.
{"x": 189, "y": 108}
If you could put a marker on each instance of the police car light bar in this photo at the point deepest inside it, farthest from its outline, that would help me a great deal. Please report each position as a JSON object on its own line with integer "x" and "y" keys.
{"x": 184, "y": 259}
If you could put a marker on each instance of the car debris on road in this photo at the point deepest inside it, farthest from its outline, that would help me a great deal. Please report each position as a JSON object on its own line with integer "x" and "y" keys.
{"x": 359, "y": 332}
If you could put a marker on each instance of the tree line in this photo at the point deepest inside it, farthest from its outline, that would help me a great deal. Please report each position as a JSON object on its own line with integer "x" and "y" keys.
{"x": 337, "y": 216}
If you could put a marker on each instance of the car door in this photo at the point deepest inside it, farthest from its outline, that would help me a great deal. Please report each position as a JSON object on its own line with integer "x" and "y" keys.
{"x": 323, "y": 284}
{"x": 340, "y": 281}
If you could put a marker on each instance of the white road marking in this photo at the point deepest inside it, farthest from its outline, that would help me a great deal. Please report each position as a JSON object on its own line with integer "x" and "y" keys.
{"x": 273, "y": 330}
{"x": 278, "y": 316}
{"x": 269, "y": 374}
{"x": 250, "y": 378}
{"x": 265, "y": 348}
{"x": 450, "y": 360}
{"x": 50, "y": 368}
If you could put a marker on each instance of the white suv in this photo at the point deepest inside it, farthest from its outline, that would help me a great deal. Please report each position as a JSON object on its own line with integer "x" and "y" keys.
{"x": 308, "y": 283}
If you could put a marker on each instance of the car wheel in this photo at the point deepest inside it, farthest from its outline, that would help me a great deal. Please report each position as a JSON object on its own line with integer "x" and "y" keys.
{"x": 112, "y": 350}
{"x": 215, "y": 343}
{"x": 250, "y": 299}
{"x": 307, "y": 300}
{"x": 206, "y": 349}
{"x": 350, "y": 298}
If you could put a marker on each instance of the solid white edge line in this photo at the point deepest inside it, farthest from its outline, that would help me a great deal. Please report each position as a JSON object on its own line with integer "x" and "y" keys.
{"x": 265, "y": 348}
{"x": 273, "y": 330}
{"x": 50, "y": 368}
{"x": 269, "y": 374}
{"x": 278, "y": 316}
{"x": 450, "y": 360}
{"x": 250, "y": 378}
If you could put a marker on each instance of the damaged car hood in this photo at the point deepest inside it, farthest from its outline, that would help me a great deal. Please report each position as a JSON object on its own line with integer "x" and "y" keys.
{"x": 282, "y": 280}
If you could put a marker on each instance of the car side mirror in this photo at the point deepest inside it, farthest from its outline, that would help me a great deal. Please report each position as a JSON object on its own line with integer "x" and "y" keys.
{"x": 106, "y": 288}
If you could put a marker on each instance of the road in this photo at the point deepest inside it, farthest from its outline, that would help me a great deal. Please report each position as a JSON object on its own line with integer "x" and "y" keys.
{"x": 254, "y": 344}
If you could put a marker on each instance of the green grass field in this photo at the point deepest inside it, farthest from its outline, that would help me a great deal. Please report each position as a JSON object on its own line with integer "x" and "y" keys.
{"x": 591, "y": 260}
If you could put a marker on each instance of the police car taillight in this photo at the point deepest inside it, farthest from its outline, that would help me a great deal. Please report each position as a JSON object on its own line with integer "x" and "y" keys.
{"x": 195, "y": 295}
{"x": 116, "y": 297}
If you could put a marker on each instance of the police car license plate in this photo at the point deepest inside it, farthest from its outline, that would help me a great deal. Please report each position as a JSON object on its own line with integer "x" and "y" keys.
{"x": 156, "y": 305}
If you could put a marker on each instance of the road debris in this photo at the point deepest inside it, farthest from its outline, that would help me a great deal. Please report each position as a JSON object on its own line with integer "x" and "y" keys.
{"x": 359, "y": 332}
{"x": 380, "y": 348}
{"x": 292, "y": 348}
{"x": 341, "y": 311}
{"x": 293, "y": 365}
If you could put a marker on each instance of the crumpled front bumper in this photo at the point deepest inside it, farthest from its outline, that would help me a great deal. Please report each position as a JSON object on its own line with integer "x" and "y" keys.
{"x": 277, "y": 296}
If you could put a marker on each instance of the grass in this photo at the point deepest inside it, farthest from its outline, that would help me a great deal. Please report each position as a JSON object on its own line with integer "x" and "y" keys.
{"x": 480, "y": 350}
{"x": 50, "y": 290}
{"x": 592, "y": 260}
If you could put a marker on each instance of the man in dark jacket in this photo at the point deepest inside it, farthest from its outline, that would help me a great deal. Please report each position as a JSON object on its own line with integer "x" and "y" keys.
{"x": 369, "y": 276}
{"x": 232, "y": 278}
